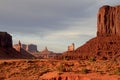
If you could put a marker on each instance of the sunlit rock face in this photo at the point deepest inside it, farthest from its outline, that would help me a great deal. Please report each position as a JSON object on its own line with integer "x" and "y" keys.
{"x": 71, "y": 47}
{"x": 108, "y": 22}
{"x": 31, "y": 48}
{"x": 107, "y": 42}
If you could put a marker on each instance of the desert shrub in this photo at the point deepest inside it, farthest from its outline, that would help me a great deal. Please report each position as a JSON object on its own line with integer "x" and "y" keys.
{"x": 69, "y": 69}
{"x": 61, "y": 68}
{"x": 101, "y": 72}
{"x": 44, "y": 71}
{"x": 2, "y": 78}
{"x": 29, "y": 61}
{"x": 85, "y": 71}
{"x": 66, "y": 58}
{"x": 104, "y": 58}
{"x": 71, "y": 64}
{"x": 117, "y": 71}
{"x": 92, "y": 59}
{"x": 4, "y": 63}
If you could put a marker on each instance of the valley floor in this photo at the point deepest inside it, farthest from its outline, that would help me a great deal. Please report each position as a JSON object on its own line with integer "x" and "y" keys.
{"x": 48, "y": 69}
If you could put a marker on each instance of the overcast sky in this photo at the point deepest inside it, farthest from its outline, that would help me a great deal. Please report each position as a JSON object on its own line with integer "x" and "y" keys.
{"x": 51, "y": 23}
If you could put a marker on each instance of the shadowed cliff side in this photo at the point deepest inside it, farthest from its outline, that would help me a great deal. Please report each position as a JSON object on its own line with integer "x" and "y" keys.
{"x": 6, "y": 49}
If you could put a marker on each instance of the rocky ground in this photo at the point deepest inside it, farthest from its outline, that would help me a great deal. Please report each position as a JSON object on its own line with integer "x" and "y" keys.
{"x": 46, "y": 69}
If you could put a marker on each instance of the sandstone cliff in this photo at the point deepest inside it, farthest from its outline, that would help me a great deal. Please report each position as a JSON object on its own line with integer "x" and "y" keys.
{"x": 5, "y": 40}
{"x": 30, "y": 48}
{"x": 45, "y": 54}
{"x": 6, "y": 49}
{"x": 107, "y": 42}
{"x": 108, "y": 21}
{"x": 71, "y": 47}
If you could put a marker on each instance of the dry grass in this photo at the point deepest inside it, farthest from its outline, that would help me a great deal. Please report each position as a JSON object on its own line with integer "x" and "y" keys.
{"x": 30, "y": 68}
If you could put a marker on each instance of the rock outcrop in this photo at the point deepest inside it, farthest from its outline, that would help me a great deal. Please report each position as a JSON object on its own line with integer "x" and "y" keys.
{"x": 31, "y": 48}
{"x": 6, "y": 49}
{"x": 107, "y": 42}
{"x": 17, "y": 46}
{"x": 5, "y": 40}
{"x": 21, "y": 48}
{"x": 45, "y": 54}
{"x": 71, "y": 47}
{"x": 108, "y": 23}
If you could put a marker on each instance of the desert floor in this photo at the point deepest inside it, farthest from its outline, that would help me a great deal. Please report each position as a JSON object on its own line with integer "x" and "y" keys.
{"x": 48, "y": 69}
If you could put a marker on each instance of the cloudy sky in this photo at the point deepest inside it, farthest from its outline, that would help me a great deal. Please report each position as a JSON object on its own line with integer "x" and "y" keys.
{"x": 51, "y": 23}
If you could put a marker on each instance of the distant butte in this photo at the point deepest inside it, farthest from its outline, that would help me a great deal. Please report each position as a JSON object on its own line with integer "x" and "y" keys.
{"x": 106, "y": 45}
{"x": 6, "y": 48}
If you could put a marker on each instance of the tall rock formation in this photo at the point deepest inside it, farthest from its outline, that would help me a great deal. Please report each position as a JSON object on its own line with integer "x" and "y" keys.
{"x": 71, "y": 47}
{"x": 106, "y": 45}
{"x": 108, "y": 23}
{"x": 46, "y": 54}
{"x": 24, "y": 46}
{"x": 31, "y": 48}
{"x": 5, "y": 40}
{"x": 18, "y": 46}
{"x": 6, "y": 49}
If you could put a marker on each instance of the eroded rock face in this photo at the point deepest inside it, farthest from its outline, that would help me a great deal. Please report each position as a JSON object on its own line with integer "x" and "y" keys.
{"x": 71, "y": 47}
{"x": 107, "y": 42}
{"x": 29, "y": 48}
{"x": 108, "y": 23}
{"x": 8, "y": 52}
{"x": 5, "y": 40}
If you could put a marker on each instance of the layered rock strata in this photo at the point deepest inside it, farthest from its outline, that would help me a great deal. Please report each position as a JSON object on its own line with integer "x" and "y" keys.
{"x": 108, "y": 23}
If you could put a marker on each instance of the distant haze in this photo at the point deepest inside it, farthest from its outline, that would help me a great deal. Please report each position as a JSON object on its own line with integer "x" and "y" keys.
{"x": 51, "y": 23}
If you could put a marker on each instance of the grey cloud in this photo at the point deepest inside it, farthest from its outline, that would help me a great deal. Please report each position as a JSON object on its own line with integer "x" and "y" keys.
{"x": 38, "y": 13}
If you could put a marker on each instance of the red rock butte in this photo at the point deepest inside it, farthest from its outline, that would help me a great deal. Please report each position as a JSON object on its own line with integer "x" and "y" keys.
{"x": 6, "y": 48}
{"x": 108, "y": 23}
{"x": 5, "y": 40}
{"x": 107, "y": 42}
